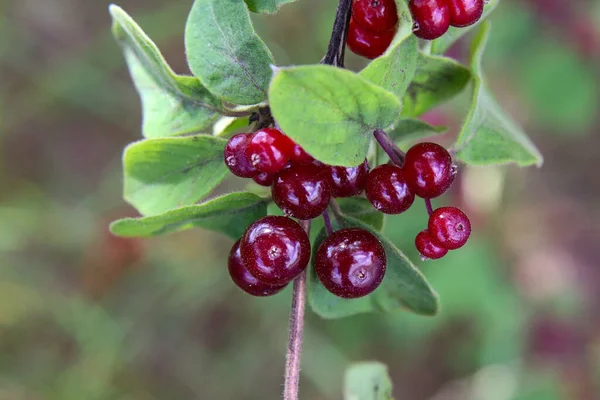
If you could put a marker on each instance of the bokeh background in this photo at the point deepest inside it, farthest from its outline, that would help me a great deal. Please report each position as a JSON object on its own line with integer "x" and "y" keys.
{"x": 86, "y": 316}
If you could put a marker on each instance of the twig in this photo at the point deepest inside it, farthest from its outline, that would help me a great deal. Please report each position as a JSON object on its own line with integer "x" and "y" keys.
{"x": 337, "y": 44}
{"x": 327, "y": 221}
{"x": 396, "y": 155}
{"x": 429, "y": 206}
{"x": 292, "y": 364}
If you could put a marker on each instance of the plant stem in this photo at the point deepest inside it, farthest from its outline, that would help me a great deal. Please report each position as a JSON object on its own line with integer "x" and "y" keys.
{"x": 327, "y": 221}
{"x": 396, "y": 155}
{"x": 292, "y": 364}
{"x": 429, "y": 206}
{"x": 337, "y": 44}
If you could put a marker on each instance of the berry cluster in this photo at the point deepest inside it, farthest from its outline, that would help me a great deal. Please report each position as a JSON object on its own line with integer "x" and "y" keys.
{"x": 432, "y": 18}
{"x": 350, "y": 263}
{"x": 372, "y": 27}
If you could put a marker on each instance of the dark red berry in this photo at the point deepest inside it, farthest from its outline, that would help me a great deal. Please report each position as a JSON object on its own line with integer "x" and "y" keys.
{"x": 375, "y": 15}
{"x": 275, "y": 249}
{"x": 300, "y": 156}
{"x": 244, "y": 280}
{"x": 347, "y": 181}
{"x": 235, "y": 156}
{"x": 366, "y": 43}
{"x": 449, "y": 228}
{"x": 431, "y": 18}
{"x": 350, "y": 263}
{"x": 269, "y": 150}
{"x": 427, "y": 248}
{"x": 429, "y": 170}
{"x": 465, "y": 12}
{"x": 387, "y": 190}
{"x": 302, "y": 191}
{"x": 264, "y": 178}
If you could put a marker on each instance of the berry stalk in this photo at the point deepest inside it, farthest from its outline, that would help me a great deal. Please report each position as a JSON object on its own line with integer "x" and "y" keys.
{"x": 396, "y": 155}
{"x": 337, "y": 44}
{"x": 292, "y": 364}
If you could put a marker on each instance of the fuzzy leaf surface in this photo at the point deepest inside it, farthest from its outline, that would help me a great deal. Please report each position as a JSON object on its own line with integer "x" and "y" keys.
{"x": 266, "y": 6}
{"x": 367, "y": 381}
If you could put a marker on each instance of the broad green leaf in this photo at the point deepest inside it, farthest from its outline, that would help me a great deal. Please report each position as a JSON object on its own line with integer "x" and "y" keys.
{"x": 361, "y": 209}
{"x": 226, "y": 126}
{"x": 171, "y": 104}
{"x": 411, "y": 130}
{"x": 395, "y": 69}
{"x": 488, "y": 135}
{"x": 367, "y": 381}
{"x": 266, "y": 6}
{"x": 403, "y": 287}
{"x": 437, "y": 80}
{"x": 225, "y": 53}
{"x": 230, "y": 214}
{"x": 162, "y": 174}
{"x": 331, "y": 112}
{"x": 441, "y": 45}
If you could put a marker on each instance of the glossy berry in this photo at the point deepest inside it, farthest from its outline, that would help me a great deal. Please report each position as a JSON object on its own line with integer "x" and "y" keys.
{"x": 449, "y": 228}
{"x": 465, "y": 12}
{"x": 427, "y": 248}
{"x": 429, "y": 170}
{"x": 375, "y": 15}
{"x": 347, "y": 181}
{"x": 235, "y": 156}
{"x": 275, "y": 249}
{"x": 269, "y": 150}
{"x": 366, "y": 43}
{"x": 302, "y": 191}
{"x": 431, "y": 18}
{"x": 387, "y": 190}
{"x": 350, "y": 263}
{"x": 244, "y": 280}
{"x": 264, "y": 178}
{"x": 300, "y": 156}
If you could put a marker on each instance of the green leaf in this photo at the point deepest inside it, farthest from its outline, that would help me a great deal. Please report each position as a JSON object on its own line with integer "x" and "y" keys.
{"x": 230, "y": 214}
{"x": 403, "y": 286}
{"x": 441, "y": 45}
{"x": 488, "y": 135}
{"x": 171, "y": 104}
{"x": 226, "y": 126}
{"x": 225, "y": 53}
{"x": 162, "y": 174}
{"x": 331, "y": 112}
{"x": 411, "y": 130}
{"x": 395, "y": 69}
{"x": 437, "y": 80}
{"x": 367, "y": 381}
{"x": 361, "y": 209}
{"x": 266, "y": 6}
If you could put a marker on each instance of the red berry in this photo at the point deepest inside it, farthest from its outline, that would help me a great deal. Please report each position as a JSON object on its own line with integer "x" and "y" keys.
{"x": 302, "y": 191}
{"x": 429, "y": 170}
{"x": 366, "y": 43}
{"x": 300, "y": 156}
{"x": 235, "y": 156}
{"x": 427, "y": 248}
{"x": 387, "y": 190}
{"x": 431, "y": 18}
{"x": 350, "y": 263}
{"x": 264, "y": 179}
{"x": 465, "y": 12}
{"x": 275, "y": 249}
{"x": 375, "y": 15}
{"x": 244, "y": 280}
{"x": 269, "y": 150}
{"x": 449, "y": 228}
{"x": 347, "y": 181}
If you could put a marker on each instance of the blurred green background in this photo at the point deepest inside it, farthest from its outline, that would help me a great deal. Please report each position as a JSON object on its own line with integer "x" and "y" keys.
{"x": 84, "y": 315}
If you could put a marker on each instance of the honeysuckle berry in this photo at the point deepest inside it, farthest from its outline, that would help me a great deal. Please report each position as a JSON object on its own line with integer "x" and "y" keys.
{"x": 264, "y": 178}
{"x": 387, "y": 189}
{"x": 375, "y": 15}
{"x": 244, "y": 280}
{"x": 429, "y": 170}
{"x": 347, "y": 181}
{"x": 431, "y": 18}
{"x": 427, "y": 248}
{"x": 269, "y": 150}
{"x": 350, "y": 263}
{"x": 465, "y": 12}
{"x": 275, "y": 249}
{"x": 235, "y": 156}
{"x": 449, "y": 228}
{"x": 366, "y": 43}
{"x": 302, "y": 191}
